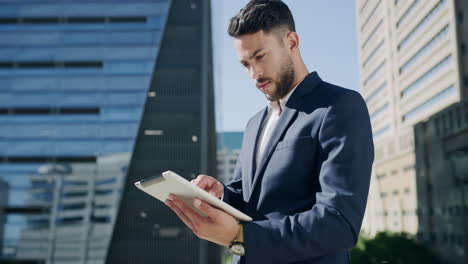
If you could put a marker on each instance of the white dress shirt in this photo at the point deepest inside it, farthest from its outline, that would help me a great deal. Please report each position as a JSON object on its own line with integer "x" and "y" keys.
{"x": 271, "y": 120}
{"x": 275, "y": 109}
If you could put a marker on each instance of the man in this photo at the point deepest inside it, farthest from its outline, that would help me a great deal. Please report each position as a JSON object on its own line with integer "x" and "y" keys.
{"x": 304, "y": 169}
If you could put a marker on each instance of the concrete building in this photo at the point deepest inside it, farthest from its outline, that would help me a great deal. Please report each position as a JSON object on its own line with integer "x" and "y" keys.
{"x": 412, "y": 65}
{"x": 227, "y": 160}
{"x": 442, "y": 182}
{"x": 228, "y": 152}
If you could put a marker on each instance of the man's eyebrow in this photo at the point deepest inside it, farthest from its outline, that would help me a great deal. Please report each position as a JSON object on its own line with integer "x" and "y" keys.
{"x": 254, "y": 54}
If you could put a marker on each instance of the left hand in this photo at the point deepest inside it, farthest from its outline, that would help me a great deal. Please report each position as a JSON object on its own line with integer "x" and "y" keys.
{"x": 217, "y": 227}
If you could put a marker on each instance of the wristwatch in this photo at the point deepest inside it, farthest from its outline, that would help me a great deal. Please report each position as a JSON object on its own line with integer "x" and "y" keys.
{"x": 237, "y": 246}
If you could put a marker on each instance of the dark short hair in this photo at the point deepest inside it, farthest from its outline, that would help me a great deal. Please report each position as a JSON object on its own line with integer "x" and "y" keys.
{"x": 266, "y": 15}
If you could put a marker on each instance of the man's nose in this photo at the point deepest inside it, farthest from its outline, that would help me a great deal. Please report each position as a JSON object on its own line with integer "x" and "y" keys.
{"x": 256, "y": 73}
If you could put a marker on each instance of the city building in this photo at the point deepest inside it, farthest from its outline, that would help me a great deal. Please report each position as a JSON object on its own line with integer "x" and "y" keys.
{"x": 77, "y": 224}
{"x": 441, "y": 145}
{"x": 228, "y": 152}
{"x": 3, "y": 202}
{"x": 177, "y": 133}
{"x": 94, "y": 96}
{"x": 412, "y": 64}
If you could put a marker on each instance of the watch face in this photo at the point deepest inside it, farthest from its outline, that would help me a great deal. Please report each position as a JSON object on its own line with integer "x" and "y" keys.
{"x": 238, "y": 249}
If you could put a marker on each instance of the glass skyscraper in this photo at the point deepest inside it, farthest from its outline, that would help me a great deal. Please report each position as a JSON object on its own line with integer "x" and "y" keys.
{"x": 95, "y": 95}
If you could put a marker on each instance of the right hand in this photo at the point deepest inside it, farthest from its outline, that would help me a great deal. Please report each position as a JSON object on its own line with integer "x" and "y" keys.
{"x": 209, "y": 184}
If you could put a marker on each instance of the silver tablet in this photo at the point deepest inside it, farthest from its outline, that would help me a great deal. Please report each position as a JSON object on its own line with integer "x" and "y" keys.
{"x": 170, "y": 183}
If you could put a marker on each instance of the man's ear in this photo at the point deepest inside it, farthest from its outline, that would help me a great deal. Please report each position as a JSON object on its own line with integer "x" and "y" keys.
{"x": 293, "y": 41}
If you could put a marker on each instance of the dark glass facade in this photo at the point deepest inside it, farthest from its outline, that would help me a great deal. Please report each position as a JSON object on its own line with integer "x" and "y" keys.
{"x": 94, "y": 95}
{"x": 177, "y": 133}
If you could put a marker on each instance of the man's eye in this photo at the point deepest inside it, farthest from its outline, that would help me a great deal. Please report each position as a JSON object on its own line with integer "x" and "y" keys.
{"x": 245, "y": 65}
{"x": 260, "y": 57}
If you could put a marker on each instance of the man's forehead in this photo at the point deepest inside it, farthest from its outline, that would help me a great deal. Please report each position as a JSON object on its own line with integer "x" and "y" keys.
{"x": 249, "y": 44}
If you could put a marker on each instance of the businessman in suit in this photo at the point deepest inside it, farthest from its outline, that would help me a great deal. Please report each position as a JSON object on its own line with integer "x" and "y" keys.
{"x": 304, "y": 169}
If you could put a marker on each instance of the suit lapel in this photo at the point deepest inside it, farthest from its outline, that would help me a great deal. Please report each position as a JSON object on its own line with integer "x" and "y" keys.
{"x": 253, "y": 133}
{"x": 282, "y": 125}
{"x": 287, "y": 117}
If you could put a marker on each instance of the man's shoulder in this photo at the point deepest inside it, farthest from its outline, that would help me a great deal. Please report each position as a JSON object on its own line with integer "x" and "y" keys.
{"x": 331, "y": 94}
{"x": 342, "y": 102}
{"x": 328, "y": 95}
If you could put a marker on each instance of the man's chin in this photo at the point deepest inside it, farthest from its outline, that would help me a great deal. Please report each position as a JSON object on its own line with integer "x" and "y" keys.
{"x": 271, "y": 98}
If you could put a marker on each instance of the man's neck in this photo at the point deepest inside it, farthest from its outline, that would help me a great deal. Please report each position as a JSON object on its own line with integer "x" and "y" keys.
{"x": 298, "y": 78}
{"x": 302, "y": 74}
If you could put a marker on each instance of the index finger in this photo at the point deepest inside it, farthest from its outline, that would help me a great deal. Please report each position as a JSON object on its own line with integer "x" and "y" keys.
{"x": 203, "y": 182}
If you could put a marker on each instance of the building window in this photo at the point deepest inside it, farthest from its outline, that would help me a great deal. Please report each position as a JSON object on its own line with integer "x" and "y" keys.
{"x": 460, "y": 17}
{"x": 50, "y": 111}
{"x": 377, "y": 112}
{"x": 380, "y": 176}
{"x": 51, "y": 64}
{"x": 374, "y": 73}
{"x": 370, "y": 15}
{"x": 394, "y": 172}
{"x": 424, "y": 49}
{"x": 436, "y": 68}
{"x": 376, "y": 92}
{"x": 71, "y": 20}
{"x": 421, "y": 24}
{"x": 391, "y": 148}
{"x": 363, "y": 6}
{"x": 370, "y": 56}
{"x": 379, "y": 154}
{"x": 48, "y": 159}
{"x": 372, "y": 34}
{"x": 409, "y": 167}
{"x": 381, "y": 132}
{"x": 433, "y": 100}
{"x": 407, "y": 13}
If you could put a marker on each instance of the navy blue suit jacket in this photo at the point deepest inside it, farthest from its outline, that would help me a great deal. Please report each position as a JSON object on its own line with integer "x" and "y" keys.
{"x": 308, "y": 194}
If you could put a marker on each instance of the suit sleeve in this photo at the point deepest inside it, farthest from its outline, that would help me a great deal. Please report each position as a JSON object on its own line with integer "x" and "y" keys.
{"x": 233, "y": 191}
{"x": 334, "y": 221}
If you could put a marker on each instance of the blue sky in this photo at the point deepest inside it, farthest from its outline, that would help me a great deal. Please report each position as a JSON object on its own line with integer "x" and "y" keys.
{"x": 327, "y": 32}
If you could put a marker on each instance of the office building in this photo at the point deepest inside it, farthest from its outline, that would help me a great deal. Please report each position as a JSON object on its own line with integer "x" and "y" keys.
{"x": 3, "y": 203}
{"x": 228, "y": 152}
{"x": 412, "y": 64}
{"x": 441, "y": 145}
{"x": 177, "y": 133}
{"x": 95, "y": 95}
